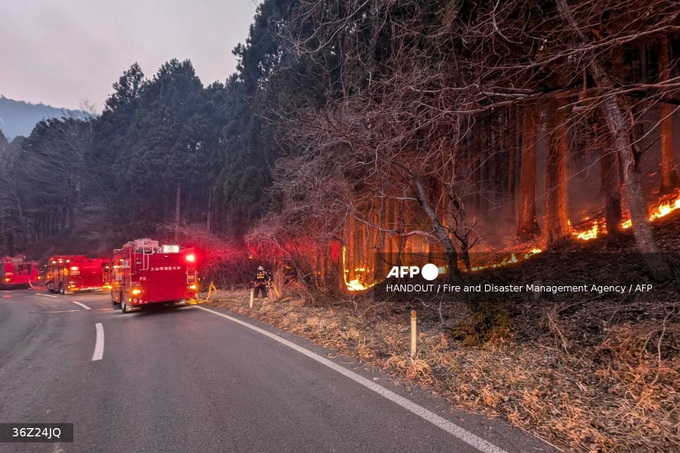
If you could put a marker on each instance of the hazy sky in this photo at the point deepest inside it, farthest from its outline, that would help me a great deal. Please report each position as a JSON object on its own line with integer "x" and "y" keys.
{"x": 64, "y": 52}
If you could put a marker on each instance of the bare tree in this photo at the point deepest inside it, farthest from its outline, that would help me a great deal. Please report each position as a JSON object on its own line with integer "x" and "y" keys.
{"x": 620, "y": 129}
{"x": 403, "y": 109}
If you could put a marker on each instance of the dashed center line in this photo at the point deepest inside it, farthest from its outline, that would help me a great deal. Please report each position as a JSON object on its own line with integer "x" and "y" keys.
{"x": 99, "y": 343}
{"x": 82, "y": 305}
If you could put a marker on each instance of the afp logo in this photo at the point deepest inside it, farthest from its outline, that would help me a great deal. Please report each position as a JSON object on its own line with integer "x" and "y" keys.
{"x": 428, "y": 272}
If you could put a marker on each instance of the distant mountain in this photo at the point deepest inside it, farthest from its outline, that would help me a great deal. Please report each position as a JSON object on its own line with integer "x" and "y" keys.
{"x": 19, "y": 117}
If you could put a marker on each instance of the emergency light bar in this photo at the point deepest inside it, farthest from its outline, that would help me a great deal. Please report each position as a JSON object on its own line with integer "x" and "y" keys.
{"x": 171, "y": 249}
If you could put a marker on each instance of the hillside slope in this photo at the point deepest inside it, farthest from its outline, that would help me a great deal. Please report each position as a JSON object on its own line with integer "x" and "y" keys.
{"x": 19, "y": 117}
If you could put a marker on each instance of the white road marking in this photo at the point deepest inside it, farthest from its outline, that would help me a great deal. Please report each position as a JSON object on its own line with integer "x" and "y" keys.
{"x": 99, "y": 343}
{"x": 451, "y": 428}
{"x": 45, "y": 295}
{"x": 82, "y": 305}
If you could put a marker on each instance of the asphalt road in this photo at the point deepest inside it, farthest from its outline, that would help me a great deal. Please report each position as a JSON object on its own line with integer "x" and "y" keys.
{"x": 205, "y": 380}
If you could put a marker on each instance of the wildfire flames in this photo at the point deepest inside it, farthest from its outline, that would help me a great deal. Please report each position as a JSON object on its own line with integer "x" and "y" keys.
{"x": 596, "y": 228}
{"x": 587, "y": 230}
{"x": 362, "y": 274}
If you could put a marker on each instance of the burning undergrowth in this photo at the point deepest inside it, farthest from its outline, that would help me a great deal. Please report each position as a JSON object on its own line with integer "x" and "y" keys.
{"x": 589, "y": 372}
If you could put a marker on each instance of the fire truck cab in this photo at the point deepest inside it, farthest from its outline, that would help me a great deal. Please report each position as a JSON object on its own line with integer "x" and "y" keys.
{"x": 73, "y": 273}
{"x": 146, "y": 273}
{"x": 17, "y": 272}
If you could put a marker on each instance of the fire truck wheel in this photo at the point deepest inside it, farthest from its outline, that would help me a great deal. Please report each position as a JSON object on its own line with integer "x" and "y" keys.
{"x": 61, "y": 289}
{"x": 124, "y": 307}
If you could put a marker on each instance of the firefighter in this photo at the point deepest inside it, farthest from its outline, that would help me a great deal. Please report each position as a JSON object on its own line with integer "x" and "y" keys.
{"x": 261, "y": 281}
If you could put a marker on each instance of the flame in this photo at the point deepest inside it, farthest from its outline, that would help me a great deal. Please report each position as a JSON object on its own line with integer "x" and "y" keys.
{"x": 590, "y": 229}
{"x": 363, "y": 273}
{"x": 590, "y": 233}
{"x": 665, "y": 208}
{"x": 595, "y": 229}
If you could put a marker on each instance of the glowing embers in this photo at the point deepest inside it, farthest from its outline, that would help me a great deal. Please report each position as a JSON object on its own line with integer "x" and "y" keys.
{"x": 513, "y": 258}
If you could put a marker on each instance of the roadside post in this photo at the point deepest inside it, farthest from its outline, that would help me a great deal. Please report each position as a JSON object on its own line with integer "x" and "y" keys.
{"x": 413, "y": 333}
{"x": 252, "y": 296}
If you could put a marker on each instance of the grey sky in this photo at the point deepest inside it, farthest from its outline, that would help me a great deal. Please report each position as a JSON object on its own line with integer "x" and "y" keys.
{"x": 64, "y": 52}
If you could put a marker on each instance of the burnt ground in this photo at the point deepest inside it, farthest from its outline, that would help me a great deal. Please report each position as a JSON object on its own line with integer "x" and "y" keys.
{"x": 585, "y": 372}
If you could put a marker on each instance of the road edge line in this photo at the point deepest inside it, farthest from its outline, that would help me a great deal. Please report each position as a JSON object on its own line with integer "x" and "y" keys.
{"x": 448, "y": 426}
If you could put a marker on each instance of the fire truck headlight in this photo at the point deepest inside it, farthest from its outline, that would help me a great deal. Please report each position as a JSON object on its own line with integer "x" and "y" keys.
{"x": 136, "y": 291}
{"x": 192, "y": 287}
{"x": 74, "y": 268}
{"x": 191, "y": 258}
{"x": 7, "y": 279}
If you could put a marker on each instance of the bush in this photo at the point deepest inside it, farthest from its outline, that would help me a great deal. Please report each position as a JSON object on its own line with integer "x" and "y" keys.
{"x": 484, "y": 322}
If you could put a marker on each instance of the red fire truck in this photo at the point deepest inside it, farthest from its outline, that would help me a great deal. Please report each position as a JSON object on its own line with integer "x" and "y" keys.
{"x": 146, "y": 273}
{"x": 17, "y": 272}
{"x": 73, "y": 273}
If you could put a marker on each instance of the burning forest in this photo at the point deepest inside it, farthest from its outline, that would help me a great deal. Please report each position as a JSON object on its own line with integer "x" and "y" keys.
{"x": 516, "y": 144}
{"x": 533, "y": 140}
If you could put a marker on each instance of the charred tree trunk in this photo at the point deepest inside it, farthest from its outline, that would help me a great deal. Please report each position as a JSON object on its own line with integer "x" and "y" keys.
{"x": 527, "y": 227}
{"x": 460, "y": 226}
{"x": 620, "y": 131}
{"x": 512, "y": 146}
{"x": 209, "y": 213}
{"x": 669, "y": 177}
{"x": 178, "y": 194}
{"x": 556, "y": 223}
{"x": 440, "y": 231}
{"x": 611, "y": 188}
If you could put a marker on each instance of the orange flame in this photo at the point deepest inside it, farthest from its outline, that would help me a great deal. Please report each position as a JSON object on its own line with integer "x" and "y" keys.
{"x": 665, "y": 206}
{"x": 590, "y": 230}
{"x": 363, "y": 274}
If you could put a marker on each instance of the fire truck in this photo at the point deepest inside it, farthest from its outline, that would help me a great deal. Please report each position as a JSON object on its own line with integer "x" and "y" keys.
{"x": 146, "y": 273}
{"x": 17, "y": 272}
{"x": 74, "y": 273}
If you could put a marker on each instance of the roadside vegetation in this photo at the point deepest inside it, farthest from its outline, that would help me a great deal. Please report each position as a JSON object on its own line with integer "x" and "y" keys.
{"x": 588, "y": 375}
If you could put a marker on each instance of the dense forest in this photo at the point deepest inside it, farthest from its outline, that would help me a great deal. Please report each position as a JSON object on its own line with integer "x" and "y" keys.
{"x": 349, "y": 128}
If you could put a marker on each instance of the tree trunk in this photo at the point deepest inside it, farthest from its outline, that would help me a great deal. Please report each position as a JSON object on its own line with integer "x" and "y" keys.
{"x": 611, "y": 187}
{"x": 556, "y": 223}
{"x": 209, "y": 214}
{"x": 620, "y": 131}
{"x": 512, "y": 161}
{"x": 178, "y": 194}
{"x": 669, "y": 177}
{"x": 527, "y": 228}
{"x": 440, "y": 231}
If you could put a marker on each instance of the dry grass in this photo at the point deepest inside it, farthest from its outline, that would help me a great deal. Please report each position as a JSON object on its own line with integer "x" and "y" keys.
{"x": 619, "y": 395}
